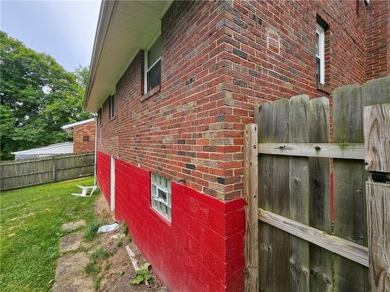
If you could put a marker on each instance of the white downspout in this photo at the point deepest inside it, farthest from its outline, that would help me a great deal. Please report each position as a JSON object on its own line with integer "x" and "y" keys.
{"x": 96, "y": 139}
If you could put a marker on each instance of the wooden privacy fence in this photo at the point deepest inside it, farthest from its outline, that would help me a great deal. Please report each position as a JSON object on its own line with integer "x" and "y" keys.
{"x": 306, "y": 215}
{"x": 21, "y": 174}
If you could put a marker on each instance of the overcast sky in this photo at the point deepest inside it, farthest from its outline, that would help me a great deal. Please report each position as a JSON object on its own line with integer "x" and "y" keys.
{"x": 64, "y": 29}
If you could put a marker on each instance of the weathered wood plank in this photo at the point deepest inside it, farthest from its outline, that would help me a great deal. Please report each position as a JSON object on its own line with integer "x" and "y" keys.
{"x": 280, "y": 204}
{"x": 27, "y": 174}
{"x": 349, "y": 197}
{"x": 251, "y": 197}
{"x": 299, "y": 193}
{"x": 377, "y": 137}
{"x": 347, "y": 115}
{"x": 338, "y": 245}
{"x": 376, "y": 91}
{"x": 377, "y": 151}
{"x": 321, "y": 264}
{"x": 319, "y": 150}
{"x": 378, "y": 199}
{"x": 264, "y": 120}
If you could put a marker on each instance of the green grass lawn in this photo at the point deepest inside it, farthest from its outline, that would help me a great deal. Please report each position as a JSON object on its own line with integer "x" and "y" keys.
{"x": 30, "y": 231}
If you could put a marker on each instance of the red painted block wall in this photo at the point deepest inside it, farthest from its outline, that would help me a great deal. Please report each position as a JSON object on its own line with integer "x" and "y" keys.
{"x": 104, "y": 174}
{"x": 203, "y": 243}
{"x": 217, "y": 62}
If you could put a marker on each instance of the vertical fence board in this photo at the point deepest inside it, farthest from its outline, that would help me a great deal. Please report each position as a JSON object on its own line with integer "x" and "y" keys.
{"x": 377, "y": 157}
{"x": 377, "y": 137}
{"x": 376, "y": 91}
{"x": 378, "y": 196}
{"x": 321, "y": 278}
{"x": 251, "y": 210}
{"x": 289, "y": 186}
{"x": 299, "y": 193}
{"x": 264, "y": 120}
{"x": 280, "y": 180}
{"x": 349, "y": 198}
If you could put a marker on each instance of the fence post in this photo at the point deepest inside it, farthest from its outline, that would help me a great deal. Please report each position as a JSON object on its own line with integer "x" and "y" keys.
{"x": 251, "y": 208}
{"x": 377, "y": 160}
{"x": 54, "y": 168}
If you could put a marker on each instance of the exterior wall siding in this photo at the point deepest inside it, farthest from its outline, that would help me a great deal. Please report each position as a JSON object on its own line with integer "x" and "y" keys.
{"x": 193, "y": 244}
{"x": 79, "y": 145}
{"x": 219, "y": 59}
{"x": 378, "y": 39}
{"x": 271, "y": 50}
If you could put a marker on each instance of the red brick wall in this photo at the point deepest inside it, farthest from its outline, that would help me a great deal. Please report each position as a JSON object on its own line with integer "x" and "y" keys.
{"x": 378, "y": 39}
{"x": 217, "y": 63}
{"x": 219, "y": 59}
{"x": 79, "y": 132}
{"x": 177, "y": 132}
{"x": 200, "y": 250}
{"x": 268, "y": 73}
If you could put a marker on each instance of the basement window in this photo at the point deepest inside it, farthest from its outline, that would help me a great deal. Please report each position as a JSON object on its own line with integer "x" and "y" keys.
{"x": 161, "y": 195}
{"x": 153, "y": 65}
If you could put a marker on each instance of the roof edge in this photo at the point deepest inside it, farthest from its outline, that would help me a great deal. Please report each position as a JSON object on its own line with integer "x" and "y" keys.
{"x": 105, "y": 15}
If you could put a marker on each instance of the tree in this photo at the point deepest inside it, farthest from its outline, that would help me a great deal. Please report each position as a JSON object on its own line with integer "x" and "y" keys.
{"x": 38, "y": 96}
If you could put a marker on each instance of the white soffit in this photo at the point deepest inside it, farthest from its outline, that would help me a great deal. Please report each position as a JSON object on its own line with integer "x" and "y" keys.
{"x": 69, "y": 127}
{"x": 124, "y": 28}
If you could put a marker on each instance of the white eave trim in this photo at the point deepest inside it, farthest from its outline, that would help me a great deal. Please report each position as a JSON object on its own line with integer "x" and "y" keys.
{"x": 69, "y": 128}
{"x": 123, "y": 29}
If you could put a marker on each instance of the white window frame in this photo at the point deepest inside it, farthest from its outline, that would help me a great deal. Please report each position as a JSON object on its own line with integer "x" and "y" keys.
{"x": 321, "y": 52}
{"x": 100, "y": 111}
{"x": 111, "y": 106}
{"x": 146, "y": 63}
{"x": 163, "y": 207}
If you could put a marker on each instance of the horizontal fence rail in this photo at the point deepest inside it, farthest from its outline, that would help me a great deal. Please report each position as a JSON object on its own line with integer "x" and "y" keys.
{"x": 352, "y": 251}
{"x": 317, "y": 212}
{"x": 19, "y": 174}
{"x": 320, "y": 150}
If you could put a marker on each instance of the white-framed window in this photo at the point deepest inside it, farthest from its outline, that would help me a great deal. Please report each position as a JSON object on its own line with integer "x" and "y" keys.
{"x": 100, "y": 116}
{"x": 111, "y": 106}
{"x": 153, "y": 65}
{"x": 161, "y": 195}
{"x": 320, "y": 54}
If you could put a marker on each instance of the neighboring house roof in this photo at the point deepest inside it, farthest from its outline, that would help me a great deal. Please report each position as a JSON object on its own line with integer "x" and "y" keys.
{"x": 124, "y": 28}
{"x": 69, "y": 128}
{"x": 54, "y": 149}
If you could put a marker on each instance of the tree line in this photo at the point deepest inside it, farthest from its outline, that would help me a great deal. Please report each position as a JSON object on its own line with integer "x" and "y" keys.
{"x": 37, "y": 97}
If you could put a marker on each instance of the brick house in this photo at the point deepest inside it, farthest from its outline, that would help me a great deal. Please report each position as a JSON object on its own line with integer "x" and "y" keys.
{"x": 83, "y": 135}
{"x": 174, "y": 83}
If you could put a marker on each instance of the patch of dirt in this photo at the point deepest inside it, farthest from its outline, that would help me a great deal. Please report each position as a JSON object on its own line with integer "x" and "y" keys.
{"x": 109, "y": 265}
{"x": 119, "y": 269}
{"x": 71, "y": 242}
{"x": 73, "y": 225}
{"x": 70, "y": 274}
{"x": 101, "y": 209}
